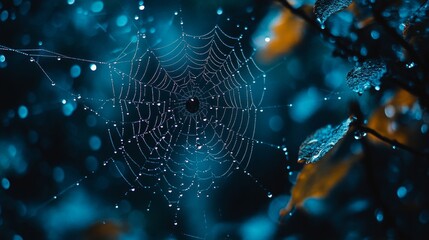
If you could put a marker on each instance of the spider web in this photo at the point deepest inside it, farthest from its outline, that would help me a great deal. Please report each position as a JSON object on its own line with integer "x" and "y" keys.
{"x": 181, "y": 114}
{"x": 164, "y": 143}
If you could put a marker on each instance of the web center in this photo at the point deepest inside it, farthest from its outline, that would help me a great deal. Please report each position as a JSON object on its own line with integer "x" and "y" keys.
{"x": 193, "y": 105}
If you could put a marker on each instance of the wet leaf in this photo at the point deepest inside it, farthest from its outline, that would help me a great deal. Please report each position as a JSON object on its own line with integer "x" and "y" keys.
{"x": 322, "y": 141}
{"x": 366, "y": 75}
{"x": 286, "y": 34}
{"x": 325, "y": 8}
{"x": 317, "y": 180}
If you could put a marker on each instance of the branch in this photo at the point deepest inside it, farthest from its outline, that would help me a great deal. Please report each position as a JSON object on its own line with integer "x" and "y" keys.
{"x": 393, "y": 142}
{"x": 415, "y": 90}
{"x": 338, "y": 42}
{"x": 368, "y": 163}
{"x": 389, "y": 218}
{"x": 398, "y": 39}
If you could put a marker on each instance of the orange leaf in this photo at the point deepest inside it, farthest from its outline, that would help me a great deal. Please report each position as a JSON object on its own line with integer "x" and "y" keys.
{"x": 287, "y": 33}
{"x": 317, "y": 179}
{"x": 108, "y": 230}
{"x": 389, "y": 121}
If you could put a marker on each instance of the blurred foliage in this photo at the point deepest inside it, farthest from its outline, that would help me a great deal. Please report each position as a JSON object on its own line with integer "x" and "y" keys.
{"x": 382, "y": 57}
{"x": 104, "y": 231}
{"x": 365, "y": 178}
{"x": 316, "y": 180}
{"x": 396, "y": 119}
{"x": 287, "y": 33}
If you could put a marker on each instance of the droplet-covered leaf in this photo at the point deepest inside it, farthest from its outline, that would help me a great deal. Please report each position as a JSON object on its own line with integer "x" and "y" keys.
{"x": 317, "y": 180}
{"x": 325, "y": 8}
{"x": 322, "y": 141}
{"x": 366, "y": 75}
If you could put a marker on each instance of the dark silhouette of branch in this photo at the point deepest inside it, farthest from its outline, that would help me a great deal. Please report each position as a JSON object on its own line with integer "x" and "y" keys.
{"x": 393, "y": 142}
{"x": 398, "y": 39}
{"x": 389, "y": 219}
{"x": 359, "y": 125}
{"x": 409, "y": 86}
{"x": 337, "y": 41}
{"x": 417, "y": 88}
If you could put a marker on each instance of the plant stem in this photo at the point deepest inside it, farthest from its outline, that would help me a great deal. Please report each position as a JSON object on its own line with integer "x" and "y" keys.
{"x": 339, "y": 42}
{"x": 389, "y": 219}
{"x": 388, "y": 216}
{"x": 393, "y": 142}
{"x": 398, "y": 39}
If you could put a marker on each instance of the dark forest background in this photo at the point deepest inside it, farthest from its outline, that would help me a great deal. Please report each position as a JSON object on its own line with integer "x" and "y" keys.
{"x": 360, "y": 67}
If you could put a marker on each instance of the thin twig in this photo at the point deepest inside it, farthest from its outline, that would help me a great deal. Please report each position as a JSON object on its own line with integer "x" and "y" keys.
{"x": 415, "y": 90}
{"x": 339, "y": 43}
{"x": 393, "y": 142}
{"x": 388, "y": 216}
{"x": 398, "y": 39}
{"x": 368, "y": 163}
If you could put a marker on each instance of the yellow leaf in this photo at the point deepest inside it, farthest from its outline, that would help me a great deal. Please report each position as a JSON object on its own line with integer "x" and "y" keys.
{"x": 317, "y": 179}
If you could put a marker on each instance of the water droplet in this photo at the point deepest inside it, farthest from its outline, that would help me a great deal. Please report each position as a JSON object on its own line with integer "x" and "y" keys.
{"x": 424, "y": 128}
{"x": 359, "y": 134}
{"x": 401, "y": 192}
{"x": 269, "y": 195}
{"x": 93, "y": 67}
{"x": 379, "y": 215}
{"x": 410, "y": 65}
{"x": 319, "y": 20}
